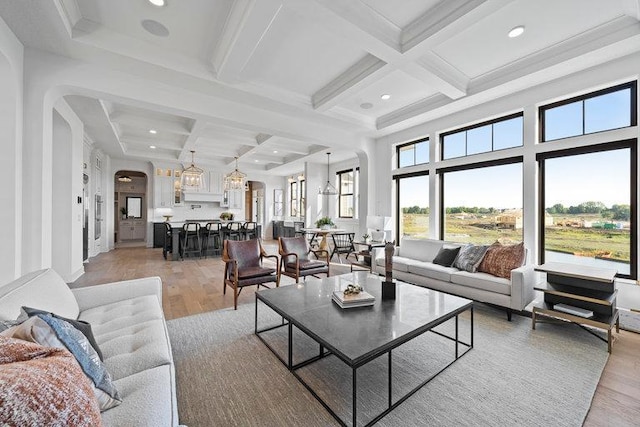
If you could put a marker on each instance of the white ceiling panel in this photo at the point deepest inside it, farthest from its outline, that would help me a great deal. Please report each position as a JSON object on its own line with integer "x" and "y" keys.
{"x": 485, "y": 46}
{"x": 299, "y": 56}
{"x": 194, "y": 26}
{"x": 401, "y": 14}
{"x": 403, "y": 89}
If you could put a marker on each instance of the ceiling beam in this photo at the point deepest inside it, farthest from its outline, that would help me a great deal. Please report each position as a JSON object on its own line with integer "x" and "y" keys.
{"x": 140, "y": 122}
{"x": 243, "y": 152}
{"x": 248, "y": 22}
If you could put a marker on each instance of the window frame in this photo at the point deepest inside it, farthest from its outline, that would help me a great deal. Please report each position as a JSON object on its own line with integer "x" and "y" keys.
{"x": 469, "y": 166}
{"x": 293, "y": 198}
{"x": 479, "y": 125}
{"x": 302, "y": 200}
{"x": 630, "y": 144}
{"x": 412, "y": 143}
{"x": 396, "y": 178}
{"x": 633, "y": 111}
{"x": 339, "y": 174}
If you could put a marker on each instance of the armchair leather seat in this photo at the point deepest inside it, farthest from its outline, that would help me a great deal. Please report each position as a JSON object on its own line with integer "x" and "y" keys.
{"x": 295, "y": 258}
{"x": 243, "y": 266}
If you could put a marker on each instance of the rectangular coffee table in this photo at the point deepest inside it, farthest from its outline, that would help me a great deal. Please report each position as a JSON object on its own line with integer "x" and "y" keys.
{"x": 339, "y": 332}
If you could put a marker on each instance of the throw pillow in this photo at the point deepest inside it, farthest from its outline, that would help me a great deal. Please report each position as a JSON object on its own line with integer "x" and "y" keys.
{"x": 469, "y": 257}
{"x": 500, "y": 260}
{"x": 52, "y": 332}
{"x": 446, "y": 256}
{"x": 81, "y": 325}
{"x": 43, "y": 386}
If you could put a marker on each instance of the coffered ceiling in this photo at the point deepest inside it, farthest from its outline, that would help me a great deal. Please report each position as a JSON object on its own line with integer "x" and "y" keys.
{"x": 330, "y": 60}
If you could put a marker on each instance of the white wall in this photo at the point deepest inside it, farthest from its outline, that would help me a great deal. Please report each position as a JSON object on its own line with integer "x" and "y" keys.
{"x": 68, "y": 130}
{"x": 11, "y": 103}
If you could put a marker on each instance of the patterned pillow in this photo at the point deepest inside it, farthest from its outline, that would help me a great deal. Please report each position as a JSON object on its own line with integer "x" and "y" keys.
{"x": 52, "y": 332}
{"x": 80, "y": 325}
{"x": 500, "y": 260}
{"x": 469, "y": 257}
{"x": 43, "y": 386}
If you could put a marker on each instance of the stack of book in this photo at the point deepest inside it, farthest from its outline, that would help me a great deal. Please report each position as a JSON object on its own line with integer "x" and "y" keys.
{"x": 361, "y": 299}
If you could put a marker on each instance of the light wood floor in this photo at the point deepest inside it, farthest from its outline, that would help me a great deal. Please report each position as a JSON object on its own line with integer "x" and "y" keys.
{"x": 195, "y": 285}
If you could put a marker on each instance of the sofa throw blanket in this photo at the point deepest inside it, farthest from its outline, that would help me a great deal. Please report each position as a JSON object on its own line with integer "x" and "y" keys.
{"x": 43, "y": 386}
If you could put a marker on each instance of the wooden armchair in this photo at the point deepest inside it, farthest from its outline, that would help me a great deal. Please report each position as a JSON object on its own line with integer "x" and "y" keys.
{"x": 243, "y": 266}
{"x": 295, "y": 262}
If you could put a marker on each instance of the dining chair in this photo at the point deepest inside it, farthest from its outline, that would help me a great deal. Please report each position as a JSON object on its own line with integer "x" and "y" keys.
{"x": 343, "y": 244}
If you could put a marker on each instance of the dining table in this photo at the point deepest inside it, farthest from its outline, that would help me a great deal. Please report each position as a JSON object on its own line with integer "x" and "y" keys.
{"x": 323, "y": 233}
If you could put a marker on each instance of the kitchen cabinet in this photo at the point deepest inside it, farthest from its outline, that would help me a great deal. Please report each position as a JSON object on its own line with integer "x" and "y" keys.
{"x": 232, "y": 199}
{"x": 132, "y": 229}
{"x": 163, "y": 192}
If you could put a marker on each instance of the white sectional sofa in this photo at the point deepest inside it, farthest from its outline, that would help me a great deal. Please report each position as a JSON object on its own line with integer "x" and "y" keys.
{"x": 129, "y": 326}
{"x": 412, "y": 263}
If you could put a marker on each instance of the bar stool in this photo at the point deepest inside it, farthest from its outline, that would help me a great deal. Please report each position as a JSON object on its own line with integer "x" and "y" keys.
{"x": 233, "y": 231}
{"x": 212, "y": 238}
{"x": 191, "y": 243}
{"x": 168, "y": 240}
{"x": 249, "y": 230}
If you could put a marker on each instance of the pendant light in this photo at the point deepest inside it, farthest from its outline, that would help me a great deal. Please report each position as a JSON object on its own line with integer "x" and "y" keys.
{"x": 235, "y": 180}
{"x": 329, "y": 189}
{"x": 192, "y": 177}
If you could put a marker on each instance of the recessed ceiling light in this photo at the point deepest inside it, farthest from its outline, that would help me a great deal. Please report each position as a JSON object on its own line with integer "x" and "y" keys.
{"x": 385, "y": 96}
{"x": 155, "y": 28}
{"x": 516, "y": 31}
{"x": 158, "y": 3}
{"x": 366, "y": 105}
{"x": 275, "y": 151}
{"x": 153, "y": 131}
{"x": 256, "y": 160}
{"x": 153, "y": 147}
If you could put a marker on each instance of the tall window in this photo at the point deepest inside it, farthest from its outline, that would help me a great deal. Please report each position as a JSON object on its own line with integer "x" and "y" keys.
{"x": 293, "y": 208}
{"x": 412, "y": 207}
{"x": 482, "y": 202}
{"x": 346, "y": 198}
{"x": 606, "y": 109}
{"x": 413, "y": 153}
{"x": 303, "y": 198}
{"x": 506, "y": 132}
{"x": 588, "y": 206}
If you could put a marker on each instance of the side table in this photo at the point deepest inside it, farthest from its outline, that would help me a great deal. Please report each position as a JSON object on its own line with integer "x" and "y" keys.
{"x": 365, "y": 254}
{"x": 586, "y": 288}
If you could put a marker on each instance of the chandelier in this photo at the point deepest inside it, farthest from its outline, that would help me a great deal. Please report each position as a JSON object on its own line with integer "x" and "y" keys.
{"x": 192, "y": 177}
{"x": 329, "y": 189}
{"x": 235, "y": 179}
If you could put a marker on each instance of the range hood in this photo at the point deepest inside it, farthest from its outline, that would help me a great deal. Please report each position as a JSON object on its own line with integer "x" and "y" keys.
{"x": 201, "y": 196}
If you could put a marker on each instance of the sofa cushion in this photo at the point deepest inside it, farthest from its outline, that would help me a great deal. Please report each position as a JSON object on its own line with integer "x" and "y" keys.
{"x": 121, "y": 314}
{"x": 500, "y": 260}
{"x": 483, "y": 281}
{"x": 135, "y": 348}
{"x": 420, "y": 249}
{"x": 434, "y": 271}
{"x": 401, "y": 263}
{"x": 470, "y": 257}
{"x": 44, "y": 289}
{"x": 446, "y": 256}
{"x": 32, "y": 375}
{"x": 147, "y": 399}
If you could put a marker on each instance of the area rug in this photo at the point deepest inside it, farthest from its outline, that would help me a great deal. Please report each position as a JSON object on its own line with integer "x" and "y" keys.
{"x": 513, "y": 376}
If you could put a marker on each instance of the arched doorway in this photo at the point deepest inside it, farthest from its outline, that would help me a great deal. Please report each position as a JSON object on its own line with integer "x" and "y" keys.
{"x": 130, "y": 208}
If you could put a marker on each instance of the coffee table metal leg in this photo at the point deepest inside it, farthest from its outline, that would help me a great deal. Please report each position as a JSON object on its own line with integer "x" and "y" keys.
{"x": 457, "y": 338}
{"x": 390, "y": 378}
{"x": 290, "y": 350}
{"x": 353, "y": 391}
